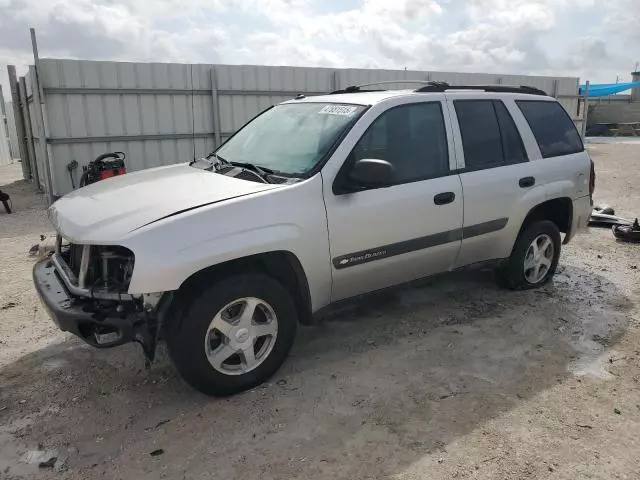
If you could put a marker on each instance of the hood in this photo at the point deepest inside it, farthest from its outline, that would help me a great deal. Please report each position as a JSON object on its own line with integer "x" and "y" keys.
{"x": 110, "y": 209}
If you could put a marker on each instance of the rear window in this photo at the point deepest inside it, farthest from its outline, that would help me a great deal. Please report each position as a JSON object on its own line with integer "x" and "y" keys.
{"x": 553, "y": 128}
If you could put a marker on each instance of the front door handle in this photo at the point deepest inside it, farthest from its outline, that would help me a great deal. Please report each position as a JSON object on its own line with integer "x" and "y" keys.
{"x": 527, "y": 182}
{"x": 444, "y": 198}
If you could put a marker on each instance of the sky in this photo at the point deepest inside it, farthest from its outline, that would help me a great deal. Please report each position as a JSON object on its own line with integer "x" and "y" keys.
{"x": 580, "y": 38}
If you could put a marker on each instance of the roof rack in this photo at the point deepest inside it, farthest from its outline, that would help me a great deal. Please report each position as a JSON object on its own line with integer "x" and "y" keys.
{"x": 443, "y": 86}
{"x": 430, "y": 86}
{"x": 358, "y": 88}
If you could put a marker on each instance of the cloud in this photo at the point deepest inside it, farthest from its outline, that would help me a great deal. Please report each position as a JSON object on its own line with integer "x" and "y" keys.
{"x": 105, "y": 30}
{"x": 567, "y": 37}
{"x": 622, "y": 21}
{"x": 278, "y": 50}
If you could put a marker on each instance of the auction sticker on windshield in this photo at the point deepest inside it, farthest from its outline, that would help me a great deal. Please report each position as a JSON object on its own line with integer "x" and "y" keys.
{"x": 344, "y": 110}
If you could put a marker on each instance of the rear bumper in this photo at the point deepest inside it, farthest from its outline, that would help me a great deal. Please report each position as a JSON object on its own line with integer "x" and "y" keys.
{"x": 582, "y": 208}
{"x": 82, "y": 317}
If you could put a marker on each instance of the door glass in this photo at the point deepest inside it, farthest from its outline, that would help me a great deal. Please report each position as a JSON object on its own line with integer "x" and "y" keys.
{"x": 511, "y": 141}
{"x": 410, "y": 137}
{"x": 480, "y": 132}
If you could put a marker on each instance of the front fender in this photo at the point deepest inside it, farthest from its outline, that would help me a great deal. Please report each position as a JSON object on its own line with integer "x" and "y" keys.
{"x": 159, "y": 273}
{"x": 290, "y": 218}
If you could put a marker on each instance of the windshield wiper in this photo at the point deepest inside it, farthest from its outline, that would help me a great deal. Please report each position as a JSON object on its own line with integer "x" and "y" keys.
{"x": 251, "y": 166}
{"x": 263, "y": 172}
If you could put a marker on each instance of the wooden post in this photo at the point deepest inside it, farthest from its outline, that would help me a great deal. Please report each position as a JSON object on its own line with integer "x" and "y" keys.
{"x": 19, "y": 121}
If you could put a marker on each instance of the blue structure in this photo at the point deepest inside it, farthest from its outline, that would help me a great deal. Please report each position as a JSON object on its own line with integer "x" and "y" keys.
{"x": 606, "y": 89}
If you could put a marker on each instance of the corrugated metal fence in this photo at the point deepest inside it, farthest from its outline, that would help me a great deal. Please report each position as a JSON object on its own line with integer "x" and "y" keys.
{"x": 13, "y": 135}
{"x": 160, "y": 113}
{"x": 5, "y": 150}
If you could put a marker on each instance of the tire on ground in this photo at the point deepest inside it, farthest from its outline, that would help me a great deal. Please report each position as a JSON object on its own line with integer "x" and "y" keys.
{"x": 186, "y": 338}
{"x": 512, "y": 274}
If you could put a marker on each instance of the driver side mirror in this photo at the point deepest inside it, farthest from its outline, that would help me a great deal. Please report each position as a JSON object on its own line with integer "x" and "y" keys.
{"x": 371, "y": 173}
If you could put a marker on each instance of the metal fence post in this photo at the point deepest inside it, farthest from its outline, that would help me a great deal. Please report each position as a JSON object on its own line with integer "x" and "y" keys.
{"x": 36, "y": 59}
{"x": 215, "y": 107}
{"x": 28, "y": 132}
{"x": 41, "y": 132}
{"x": 41, "y": 121}
{"x": 585, "y": 112}
{"x": 19, "y": 121}
{"x": 335, "y": 80}
{"x": 4, "y": 126}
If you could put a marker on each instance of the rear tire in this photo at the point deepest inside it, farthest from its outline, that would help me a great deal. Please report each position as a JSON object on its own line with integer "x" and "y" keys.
{"x": 534, "y": 258}
{"x": 235, "y": 334}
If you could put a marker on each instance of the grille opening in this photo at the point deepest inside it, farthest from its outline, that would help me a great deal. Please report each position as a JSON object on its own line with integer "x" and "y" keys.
{"x": 109, "y": 268}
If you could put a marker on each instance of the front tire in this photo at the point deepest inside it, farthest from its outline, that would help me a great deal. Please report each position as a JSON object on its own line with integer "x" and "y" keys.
{"x": 235, "y": 334}
{"x": 534, "y": 258}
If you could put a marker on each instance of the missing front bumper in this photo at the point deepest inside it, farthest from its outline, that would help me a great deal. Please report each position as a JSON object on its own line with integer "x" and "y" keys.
{"x": 100, "y": 324}
{"x": 82, "y": 317}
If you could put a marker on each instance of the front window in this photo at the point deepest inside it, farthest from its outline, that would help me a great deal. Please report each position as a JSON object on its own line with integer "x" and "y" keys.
{"x": 292, "y": 138}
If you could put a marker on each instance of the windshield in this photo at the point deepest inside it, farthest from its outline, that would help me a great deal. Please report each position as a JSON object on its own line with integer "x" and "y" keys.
{"x": 291, "y": 138}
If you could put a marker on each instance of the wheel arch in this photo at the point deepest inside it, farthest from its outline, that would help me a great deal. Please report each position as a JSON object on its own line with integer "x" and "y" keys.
{"x": 557, "y": 210}
{"x": 284, "y": 266}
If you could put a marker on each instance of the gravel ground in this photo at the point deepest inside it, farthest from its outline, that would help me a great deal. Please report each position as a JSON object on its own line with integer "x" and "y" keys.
{"x": 454, "y": 379}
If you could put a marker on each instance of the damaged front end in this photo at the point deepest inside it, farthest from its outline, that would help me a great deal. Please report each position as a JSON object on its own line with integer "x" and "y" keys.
{"x": 84, "y": 288}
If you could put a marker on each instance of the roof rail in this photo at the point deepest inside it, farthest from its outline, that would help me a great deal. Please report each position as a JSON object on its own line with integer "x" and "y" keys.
{"x": 358, "y": 88}
{"x": 431, "y": 86}
{"x": 443, "y": 86}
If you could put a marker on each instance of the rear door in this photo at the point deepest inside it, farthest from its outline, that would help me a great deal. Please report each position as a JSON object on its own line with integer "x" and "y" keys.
{"x": 563, "y": 164}
{"x": 498, "y": 180}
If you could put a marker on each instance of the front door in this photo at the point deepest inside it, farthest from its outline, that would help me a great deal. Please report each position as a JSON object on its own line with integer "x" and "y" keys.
{"x": 385, "y": 236}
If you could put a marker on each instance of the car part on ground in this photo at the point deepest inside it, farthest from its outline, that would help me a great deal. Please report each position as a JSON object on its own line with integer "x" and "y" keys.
{"x": 6, "y": 201}
{"x": 604, "y": 208}
{"x": 627, "y": 233}
{"x": 44, "y": 249}
{"x": 598, "y": 219}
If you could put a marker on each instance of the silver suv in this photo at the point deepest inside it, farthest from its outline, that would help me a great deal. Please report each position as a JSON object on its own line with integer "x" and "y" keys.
{"x": 314, "y": 201}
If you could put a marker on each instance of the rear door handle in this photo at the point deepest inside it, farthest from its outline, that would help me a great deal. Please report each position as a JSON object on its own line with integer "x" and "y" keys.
{"x": 527, "y": 182}
{"x": 444, "y": 198}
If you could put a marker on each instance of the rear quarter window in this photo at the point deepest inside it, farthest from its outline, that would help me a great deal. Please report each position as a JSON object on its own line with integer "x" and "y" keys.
{"x": 552, "y": 127}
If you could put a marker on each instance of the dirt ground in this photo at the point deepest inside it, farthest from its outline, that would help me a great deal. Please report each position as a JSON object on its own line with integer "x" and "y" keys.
{"x": 455, "y": 379}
